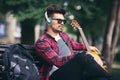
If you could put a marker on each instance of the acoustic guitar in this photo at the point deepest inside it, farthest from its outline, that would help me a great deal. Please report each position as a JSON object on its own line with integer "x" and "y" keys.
{"x": 97, "y": 56}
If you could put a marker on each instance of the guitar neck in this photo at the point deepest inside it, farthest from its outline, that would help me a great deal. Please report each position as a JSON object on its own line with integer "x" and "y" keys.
{"x": 84, "y": 39}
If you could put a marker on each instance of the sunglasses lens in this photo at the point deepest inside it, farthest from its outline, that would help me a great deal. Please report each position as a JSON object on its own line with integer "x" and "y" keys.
{"x": 60, "y": 21}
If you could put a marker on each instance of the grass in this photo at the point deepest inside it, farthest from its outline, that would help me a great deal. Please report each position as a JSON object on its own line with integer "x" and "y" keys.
{"x": 116, "y": 72}
{"x": 116, "y": 69}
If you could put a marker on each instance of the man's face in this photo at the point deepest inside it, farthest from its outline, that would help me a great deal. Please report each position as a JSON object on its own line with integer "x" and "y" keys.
{"x": 58, "y": 21}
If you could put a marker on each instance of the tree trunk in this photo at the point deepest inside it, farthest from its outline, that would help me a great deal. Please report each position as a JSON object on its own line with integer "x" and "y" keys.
{"x": 116, "y": 33}
{"x": 37, "y": 32}
{"x": 109, "y": 35}
{"x": 27, "y": 32}
{"x": 11, "y": 24}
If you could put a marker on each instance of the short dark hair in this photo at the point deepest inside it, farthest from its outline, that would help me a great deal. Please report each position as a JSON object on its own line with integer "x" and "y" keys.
{"x": 54, "y": 9}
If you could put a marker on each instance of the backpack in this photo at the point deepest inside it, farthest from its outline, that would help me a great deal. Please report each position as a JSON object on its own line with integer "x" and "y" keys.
{"x": 19, "y": 64}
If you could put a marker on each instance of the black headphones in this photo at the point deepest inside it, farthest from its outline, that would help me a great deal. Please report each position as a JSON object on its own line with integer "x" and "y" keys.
{"x": 49, "y": 20}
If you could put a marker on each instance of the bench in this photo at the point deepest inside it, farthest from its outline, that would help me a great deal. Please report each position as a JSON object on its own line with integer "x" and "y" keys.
{"x": 29, "y": 48}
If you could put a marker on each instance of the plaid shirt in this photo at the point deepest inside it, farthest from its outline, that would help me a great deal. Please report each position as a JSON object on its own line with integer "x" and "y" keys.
{"x": 47, "y": 47}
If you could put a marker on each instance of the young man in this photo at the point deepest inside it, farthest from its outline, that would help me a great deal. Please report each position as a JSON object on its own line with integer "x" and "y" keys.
{"x": 57, "y": 49}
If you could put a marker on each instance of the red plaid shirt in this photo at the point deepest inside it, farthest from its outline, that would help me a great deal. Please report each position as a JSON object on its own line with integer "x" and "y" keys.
{"x": 47, "y": 47}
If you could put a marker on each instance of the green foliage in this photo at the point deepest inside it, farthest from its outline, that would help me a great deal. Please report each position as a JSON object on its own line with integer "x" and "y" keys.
{"x": 92, "y": 15}
{"x": 27, "y": 9}
{"x": 116, "y": 70}
{"x": 117, "y": 57}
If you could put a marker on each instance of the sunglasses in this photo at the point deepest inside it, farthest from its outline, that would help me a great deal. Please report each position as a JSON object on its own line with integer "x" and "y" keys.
{"x": 59, "y": 21}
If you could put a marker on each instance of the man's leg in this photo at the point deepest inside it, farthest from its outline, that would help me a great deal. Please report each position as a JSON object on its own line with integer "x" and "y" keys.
{"x": 81, "y": 67}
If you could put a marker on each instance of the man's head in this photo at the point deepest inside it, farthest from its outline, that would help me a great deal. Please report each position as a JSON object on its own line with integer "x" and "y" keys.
{"x": 52, "y": 9}
{"x": 55, "y": 17}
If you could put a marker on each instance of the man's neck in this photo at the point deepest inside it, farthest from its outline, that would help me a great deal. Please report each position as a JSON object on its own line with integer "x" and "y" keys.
{"x": 53, "y": 34}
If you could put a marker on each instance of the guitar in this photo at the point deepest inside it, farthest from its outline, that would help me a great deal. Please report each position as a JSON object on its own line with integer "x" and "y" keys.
{"x": 97, "y": 56}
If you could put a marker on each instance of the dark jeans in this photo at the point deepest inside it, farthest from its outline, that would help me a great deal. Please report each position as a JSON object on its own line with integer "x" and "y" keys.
{"x": 81, "y": 67}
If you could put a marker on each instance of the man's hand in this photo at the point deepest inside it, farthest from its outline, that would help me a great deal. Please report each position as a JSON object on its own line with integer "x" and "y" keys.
{"x": 92, "y": 48}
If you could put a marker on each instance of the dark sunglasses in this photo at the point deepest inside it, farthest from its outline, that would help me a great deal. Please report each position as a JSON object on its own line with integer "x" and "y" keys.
{"x": 60, "y": 21}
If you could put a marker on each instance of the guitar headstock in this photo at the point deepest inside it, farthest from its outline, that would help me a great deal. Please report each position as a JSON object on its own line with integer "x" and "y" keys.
{"x": 75, "y": 24}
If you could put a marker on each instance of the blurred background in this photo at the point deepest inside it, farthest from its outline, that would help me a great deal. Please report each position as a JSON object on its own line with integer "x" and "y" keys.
{"x": 22, "y": 21}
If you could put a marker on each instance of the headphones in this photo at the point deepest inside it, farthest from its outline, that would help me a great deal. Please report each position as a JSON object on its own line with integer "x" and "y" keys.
{"x": 49, "y": 20}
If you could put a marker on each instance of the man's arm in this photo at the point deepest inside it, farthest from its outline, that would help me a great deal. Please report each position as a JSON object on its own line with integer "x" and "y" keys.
{"x": 44, "y": 49}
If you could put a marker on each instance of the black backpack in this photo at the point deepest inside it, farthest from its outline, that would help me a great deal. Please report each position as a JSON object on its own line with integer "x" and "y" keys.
{"x": 19, "y": 64}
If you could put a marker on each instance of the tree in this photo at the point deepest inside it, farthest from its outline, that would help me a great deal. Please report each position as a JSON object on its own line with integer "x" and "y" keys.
{"x": 91, "y": 14}
{"x": 111, "y": 35}
{"x": 94, "y": 15}
{"x": 28, "y": 13}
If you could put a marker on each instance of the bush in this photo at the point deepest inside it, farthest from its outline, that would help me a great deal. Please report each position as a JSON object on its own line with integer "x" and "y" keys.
{"x": 117, "y": 57}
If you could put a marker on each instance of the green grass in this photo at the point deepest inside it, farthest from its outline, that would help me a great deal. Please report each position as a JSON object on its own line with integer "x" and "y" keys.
{"x": 116, "y": 71}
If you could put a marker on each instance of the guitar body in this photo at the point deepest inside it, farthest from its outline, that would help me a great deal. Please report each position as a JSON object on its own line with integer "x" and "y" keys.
{"x": 98, "y": 59}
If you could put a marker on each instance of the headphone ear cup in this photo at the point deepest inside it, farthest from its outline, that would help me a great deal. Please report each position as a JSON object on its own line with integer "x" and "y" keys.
{"x": 49, "y": 21}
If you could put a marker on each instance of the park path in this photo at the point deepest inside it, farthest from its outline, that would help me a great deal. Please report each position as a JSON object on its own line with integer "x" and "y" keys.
{"x": 116, "y": 66}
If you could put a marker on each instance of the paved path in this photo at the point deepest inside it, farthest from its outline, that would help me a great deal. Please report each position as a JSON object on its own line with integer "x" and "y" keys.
{"x": 116, "y": 66}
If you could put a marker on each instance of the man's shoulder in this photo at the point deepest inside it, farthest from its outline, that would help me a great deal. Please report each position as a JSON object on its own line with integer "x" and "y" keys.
{"x": 64, "y": 34}
{"x": 45, "y": 38}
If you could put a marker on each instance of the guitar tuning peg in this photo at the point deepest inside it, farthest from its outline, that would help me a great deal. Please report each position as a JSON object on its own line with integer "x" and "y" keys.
{"x": 71, "y": 24}
{"x": 74, "y": 28}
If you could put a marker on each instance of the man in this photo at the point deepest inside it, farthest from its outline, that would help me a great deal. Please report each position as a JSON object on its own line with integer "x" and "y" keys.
{"x": 57, "y": 49}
